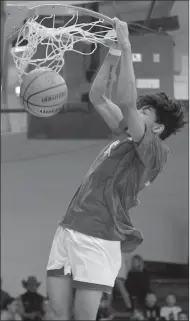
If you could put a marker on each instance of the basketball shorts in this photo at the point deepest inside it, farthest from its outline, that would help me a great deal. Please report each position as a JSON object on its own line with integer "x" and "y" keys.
{"x": 93, "y": 263}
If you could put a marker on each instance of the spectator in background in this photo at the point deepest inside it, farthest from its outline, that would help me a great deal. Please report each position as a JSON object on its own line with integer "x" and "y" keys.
{"x": 105, "y": 310}
{"x": 182, "y": 316}
{"x": 171, "y": 310}
{"x": 10, "y": 310}
{"x": 137, "y": 315}
{"x": 4, "y": 295}
{"x": 137, "y": 282}
{"x": 32, "y": 303}
{"x": 151, "y": 310}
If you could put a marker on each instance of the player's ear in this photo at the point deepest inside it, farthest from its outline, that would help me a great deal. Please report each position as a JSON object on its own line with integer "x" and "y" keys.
{"x": 158, "y": 129}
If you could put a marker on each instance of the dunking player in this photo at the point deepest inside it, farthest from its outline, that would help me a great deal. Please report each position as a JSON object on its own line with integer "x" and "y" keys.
{"x": 86, "y": 250}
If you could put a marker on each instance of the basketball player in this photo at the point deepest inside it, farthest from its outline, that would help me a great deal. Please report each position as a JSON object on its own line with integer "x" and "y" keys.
{"x": 86, "y": 250}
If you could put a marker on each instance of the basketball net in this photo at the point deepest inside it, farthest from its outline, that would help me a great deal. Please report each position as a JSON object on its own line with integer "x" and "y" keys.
{"x": 57, "y": 41}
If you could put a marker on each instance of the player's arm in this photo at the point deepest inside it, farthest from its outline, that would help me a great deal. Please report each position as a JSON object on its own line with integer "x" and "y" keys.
{"x": 100, "y": 93}
{"x": 152, "y": 152}
{"x": 127, "y": 93}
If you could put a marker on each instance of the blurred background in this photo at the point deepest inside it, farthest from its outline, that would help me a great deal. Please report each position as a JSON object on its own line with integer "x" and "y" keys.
{"x": 44, "y": 160}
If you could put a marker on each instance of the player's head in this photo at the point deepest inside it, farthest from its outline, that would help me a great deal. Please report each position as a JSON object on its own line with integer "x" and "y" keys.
{"x": 163, "y": 115}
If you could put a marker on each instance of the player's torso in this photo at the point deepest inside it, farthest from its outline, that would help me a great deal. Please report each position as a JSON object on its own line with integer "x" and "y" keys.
{"x": 107, "y": 160}
{"x": 100, "y": 206}
{"x": 117, "y": 165}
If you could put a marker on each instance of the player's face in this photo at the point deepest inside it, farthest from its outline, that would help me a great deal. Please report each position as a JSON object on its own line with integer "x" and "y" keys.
{"x": 149, "y": 116}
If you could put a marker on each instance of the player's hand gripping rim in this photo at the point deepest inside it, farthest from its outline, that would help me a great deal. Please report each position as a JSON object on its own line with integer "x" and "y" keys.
{"x": 122, "y": 32}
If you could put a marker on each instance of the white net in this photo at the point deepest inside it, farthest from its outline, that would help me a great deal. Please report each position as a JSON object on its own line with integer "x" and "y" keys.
{"x": 57, "y": 41}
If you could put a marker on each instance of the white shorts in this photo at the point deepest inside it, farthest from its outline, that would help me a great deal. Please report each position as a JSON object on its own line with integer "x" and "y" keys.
{"x": 93, "y": 263}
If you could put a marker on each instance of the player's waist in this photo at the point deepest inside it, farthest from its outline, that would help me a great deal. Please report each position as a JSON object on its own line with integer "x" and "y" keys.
{"x": 101, "y": 224}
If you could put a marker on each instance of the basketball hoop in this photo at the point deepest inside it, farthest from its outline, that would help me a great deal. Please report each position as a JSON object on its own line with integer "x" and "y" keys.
{"x": 58, "y": 40}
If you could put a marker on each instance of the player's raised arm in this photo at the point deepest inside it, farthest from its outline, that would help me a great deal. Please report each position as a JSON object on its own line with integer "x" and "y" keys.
{"x": 100, "y": 93}
{"x": 127, "y": 93}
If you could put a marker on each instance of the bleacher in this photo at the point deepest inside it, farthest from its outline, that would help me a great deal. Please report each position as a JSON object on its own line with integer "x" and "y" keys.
{"x": 166, "y": 278}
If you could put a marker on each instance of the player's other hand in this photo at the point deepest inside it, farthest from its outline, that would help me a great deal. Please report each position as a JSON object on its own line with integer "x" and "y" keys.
{"x": 122, "y": 31}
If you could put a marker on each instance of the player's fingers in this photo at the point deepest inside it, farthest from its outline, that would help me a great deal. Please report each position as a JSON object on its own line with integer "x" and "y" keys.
{"x": 116, "y": 20}
{"x": 120, "y": 26}
{"x": 124, "y": 28}
{"x": 124, "y": 25}
{"x": 117, "y": 23}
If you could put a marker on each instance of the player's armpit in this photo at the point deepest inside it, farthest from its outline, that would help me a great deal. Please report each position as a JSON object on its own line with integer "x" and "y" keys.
{"x": 109, "y": 111}
{"x": 134, "y": 122}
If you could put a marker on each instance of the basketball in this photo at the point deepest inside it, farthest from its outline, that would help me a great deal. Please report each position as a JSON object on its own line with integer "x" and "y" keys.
{"x": 43, "y": 92}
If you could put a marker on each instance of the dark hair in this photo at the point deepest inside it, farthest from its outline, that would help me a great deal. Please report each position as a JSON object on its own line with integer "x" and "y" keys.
{"x": 7, "y": 302}
{"x": 169, "y": 112}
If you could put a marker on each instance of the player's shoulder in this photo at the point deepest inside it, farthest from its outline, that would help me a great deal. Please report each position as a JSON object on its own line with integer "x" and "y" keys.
{"x": 163, "y": 151}
{"x": 160, "y": 158}
{"x": 158, "y": 146}
{"x": 155, "y": 152}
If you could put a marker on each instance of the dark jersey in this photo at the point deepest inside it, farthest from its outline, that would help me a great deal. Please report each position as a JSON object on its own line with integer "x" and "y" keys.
{"x": 32, "y": 302}
{"x": 152, "y": 313}
{"x": 138, "y": 285}
{"x": 109, "y": 190}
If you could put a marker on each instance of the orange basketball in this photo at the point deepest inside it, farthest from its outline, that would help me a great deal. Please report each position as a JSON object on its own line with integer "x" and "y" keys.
{"x": 43, "y": 92}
